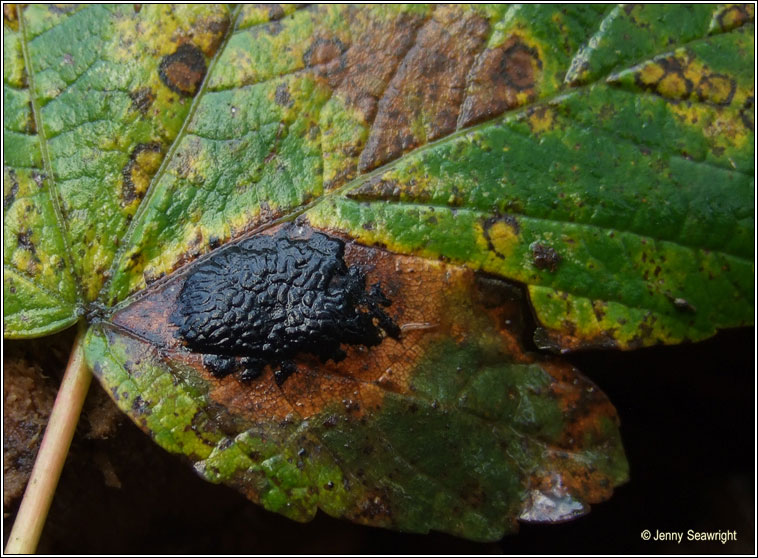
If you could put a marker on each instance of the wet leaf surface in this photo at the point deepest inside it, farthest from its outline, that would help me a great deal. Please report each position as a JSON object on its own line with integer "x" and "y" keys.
{"x": 600, "y": 156}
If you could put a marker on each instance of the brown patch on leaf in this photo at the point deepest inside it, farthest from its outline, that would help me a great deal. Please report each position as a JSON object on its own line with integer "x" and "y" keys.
{"x": 377, "y": 188}
{"x": 184, "y": 70}
{"x": 735, "y": 15}
{"x": 325, "y": 52}
{"x": 717, "y": 89}
{"x": 566, "y": 341}
{"x": 144, "y": 160}
{"x": 588, "y": 415}
{"x": 503, "y": 78}
{"x": 422, "y": 101}
{"x": 359, "y": 71}
{"x": 282, "y": 96}
{"x": 24, "y": 239}
{"x": 367, "y": 66}
{"x": 9, "y": 194}
{"x": 747, "y": 113}
{"x": 545, "y": 257}
{"x": 142, "y": 99}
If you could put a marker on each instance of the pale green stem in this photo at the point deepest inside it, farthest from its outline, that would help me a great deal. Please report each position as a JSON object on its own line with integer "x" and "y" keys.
{"x": 52, "y": 454}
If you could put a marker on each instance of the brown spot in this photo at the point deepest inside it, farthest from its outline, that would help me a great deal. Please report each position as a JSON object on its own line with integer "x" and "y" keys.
{"x": 422, "y": 101}
{"x": 9, "y": 196}
{"x": 519, "y": 65}
{"x": 39, "y": 178}
{"x": 24, "y": 239}
{"x": 717, "y": 89}
{"x": 137, "y": 8}
{"x": 282, "y": 95}
{"x": 747, "y": 113}
{"x": 143, "y": 162}
{"x": 359, "y": 74}
{"x": 325, "y": 52}
{"x": 499, "y": 75}
{"x": 545, "y": 257}
{"x": 214, "y": 242}
{"x": 275, "y": 11}
{"x": 142, "y": 99}
{"x": 377, "y": 188}
{"x": 184, "y": 70}
{"x": 374, "y": 508}
{"x": 599, "y": 307}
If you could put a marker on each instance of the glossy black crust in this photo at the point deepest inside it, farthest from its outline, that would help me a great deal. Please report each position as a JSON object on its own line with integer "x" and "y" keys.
{"x": 269, "y": 298}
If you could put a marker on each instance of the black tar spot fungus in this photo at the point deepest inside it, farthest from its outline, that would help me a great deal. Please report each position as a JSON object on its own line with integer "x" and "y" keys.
{"x": 184, "y": 70}
{"x": 269, "y": 298}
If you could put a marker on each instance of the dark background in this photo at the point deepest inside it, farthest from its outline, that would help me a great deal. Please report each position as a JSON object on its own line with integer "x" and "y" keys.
{"x": 687, "y": 421}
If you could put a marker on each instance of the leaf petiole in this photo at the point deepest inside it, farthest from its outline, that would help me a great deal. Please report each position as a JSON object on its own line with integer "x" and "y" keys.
{"x": 40, "y": 490}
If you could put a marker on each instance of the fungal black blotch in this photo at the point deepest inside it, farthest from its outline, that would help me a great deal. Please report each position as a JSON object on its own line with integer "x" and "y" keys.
{"x": 269, "y": 298}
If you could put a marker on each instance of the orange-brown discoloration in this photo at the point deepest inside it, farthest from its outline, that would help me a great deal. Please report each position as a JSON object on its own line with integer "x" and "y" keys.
{"x": 362, "y": 76}
{"x": 358, "y": 72}
{"x": 586, "y": 413}
{"x": 422, "y": 101}
{"x": 503, "y": 78}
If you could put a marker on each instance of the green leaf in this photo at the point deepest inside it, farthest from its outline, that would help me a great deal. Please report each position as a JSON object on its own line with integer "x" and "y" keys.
{"x": 602, "y": 156}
